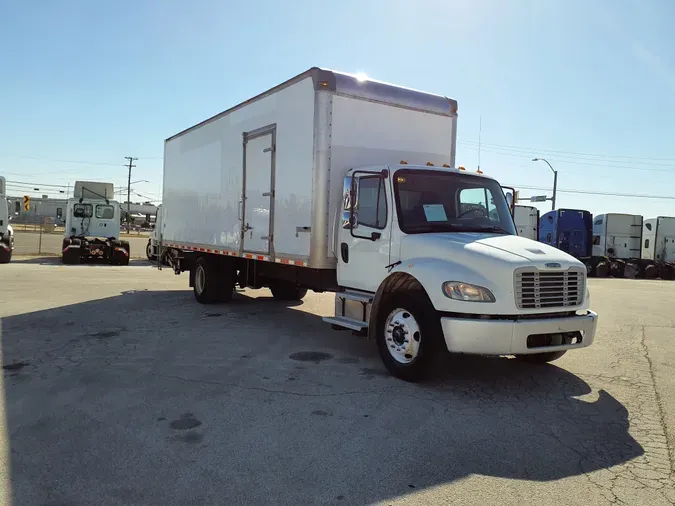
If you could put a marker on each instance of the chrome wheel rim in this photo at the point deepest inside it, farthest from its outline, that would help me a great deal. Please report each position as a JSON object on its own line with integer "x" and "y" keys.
{"x": 402, "y": 335}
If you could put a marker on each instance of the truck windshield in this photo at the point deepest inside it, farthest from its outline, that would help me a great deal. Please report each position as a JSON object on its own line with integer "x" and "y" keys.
{"x": 439, "y": 201}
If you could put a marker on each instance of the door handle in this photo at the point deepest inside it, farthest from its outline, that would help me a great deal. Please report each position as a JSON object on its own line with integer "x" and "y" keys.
{"x": 239, "y": 208}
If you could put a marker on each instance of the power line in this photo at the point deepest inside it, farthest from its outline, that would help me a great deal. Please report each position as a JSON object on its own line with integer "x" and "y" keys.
{"x": 608, "y": 194}
{"x": 83, "y": 162}
{"x": 574, "y": 154}
{"x": 528, "y": 155}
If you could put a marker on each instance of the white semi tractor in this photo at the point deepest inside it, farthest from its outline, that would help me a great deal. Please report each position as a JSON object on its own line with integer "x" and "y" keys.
{"x": 153, "y": 250}
{"x": 6, "y": 232}
{"x": 92, "y": 226}
{"x": 526, "y": 219}
{"x": 331, "y": 182}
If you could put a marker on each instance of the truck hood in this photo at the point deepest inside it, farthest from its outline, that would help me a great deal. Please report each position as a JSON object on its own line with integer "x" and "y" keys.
{"x": 483, "y": 250}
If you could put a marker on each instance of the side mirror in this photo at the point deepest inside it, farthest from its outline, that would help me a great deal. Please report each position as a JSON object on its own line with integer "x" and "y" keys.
{"x": 349, "y": 220}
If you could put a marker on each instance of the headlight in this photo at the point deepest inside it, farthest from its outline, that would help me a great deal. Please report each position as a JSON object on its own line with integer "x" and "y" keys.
{"x": 464, "y": 291}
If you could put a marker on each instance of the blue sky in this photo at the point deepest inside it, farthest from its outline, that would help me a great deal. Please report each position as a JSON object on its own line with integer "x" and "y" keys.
{"x": 588, "y": 85}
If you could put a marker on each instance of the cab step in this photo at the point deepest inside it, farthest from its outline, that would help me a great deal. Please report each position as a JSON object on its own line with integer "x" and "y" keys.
{"x": 356, "y": 296}
{"x": 346, "y": 323}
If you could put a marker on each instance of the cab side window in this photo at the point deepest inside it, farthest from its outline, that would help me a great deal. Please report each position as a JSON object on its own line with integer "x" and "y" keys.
{"x": 371, "y": 204}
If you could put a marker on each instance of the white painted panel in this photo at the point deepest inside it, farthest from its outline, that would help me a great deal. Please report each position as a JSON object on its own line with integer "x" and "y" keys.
{"x": 368, "y": 133}
{"x": 203, "y": 173}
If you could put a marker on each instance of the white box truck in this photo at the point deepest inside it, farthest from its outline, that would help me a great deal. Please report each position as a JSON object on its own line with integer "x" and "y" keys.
{"x": 6, "y": 232}
{"x": 92, "y": 226}
{"x": 526, "y": 219}
{"x": 334, "y": 183}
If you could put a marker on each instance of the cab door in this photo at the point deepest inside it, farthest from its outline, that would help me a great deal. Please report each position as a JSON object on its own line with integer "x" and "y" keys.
{"x": 364, "y": 238}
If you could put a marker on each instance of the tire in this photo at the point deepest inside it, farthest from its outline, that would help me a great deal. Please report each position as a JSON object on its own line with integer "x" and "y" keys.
{"x": 148, "y": 251}
{"x": 541, "y": 358}
{"x": 409, "y": 336}
{"x": 165, "y": 257}
{"x": 6, "y": 255}
{"x": 71, "y": 256}
{"x": 282, "y": 290}
{"x": 213, "y": 282}
{"x": 118, "y": 257}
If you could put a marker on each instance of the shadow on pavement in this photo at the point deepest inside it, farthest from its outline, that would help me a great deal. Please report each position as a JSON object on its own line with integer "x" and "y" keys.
{"x": 150, "y": 398}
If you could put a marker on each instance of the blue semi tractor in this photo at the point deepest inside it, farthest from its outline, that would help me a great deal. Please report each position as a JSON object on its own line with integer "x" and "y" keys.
{"x": 570, "y": 230}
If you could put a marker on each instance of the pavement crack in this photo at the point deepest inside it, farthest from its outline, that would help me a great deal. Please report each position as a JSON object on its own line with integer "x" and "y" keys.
{"x": 659, "y": 403}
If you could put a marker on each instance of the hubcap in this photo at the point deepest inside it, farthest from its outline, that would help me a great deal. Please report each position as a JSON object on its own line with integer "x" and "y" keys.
{"x": 200, "y": 279}
{"x": 402, "y": 336}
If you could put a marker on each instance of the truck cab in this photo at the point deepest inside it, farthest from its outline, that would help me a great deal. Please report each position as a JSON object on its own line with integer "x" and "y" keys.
{"x": 433, "y": 250}
{"x": 92, "y": 226}
{"x": 6, "y": 231}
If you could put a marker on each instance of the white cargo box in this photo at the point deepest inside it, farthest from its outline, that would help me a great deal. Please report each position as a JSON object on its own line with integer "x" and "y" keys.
{"x": 658, "y": 239}
{"x": 526, "y": 219}
{"x": 260, "y": 180}
{"x": 617, "y": 235}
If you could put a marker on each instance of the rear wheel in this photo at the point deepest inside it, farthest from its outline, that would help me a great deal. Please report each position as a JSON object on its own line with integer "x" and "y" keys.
{"x": 283, "y": 290}
{"x": 409, "y": 336}
{"x": 148, "y": 251}
{"x": 213, "y": 281}
{"x": 70, "y": 256}
{"x": 118, "y": 257}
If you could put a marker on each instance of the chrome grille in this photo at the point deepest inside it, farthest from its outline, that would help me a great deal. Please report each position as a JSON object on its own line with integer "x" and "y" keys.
{"x": 549, "y": 289}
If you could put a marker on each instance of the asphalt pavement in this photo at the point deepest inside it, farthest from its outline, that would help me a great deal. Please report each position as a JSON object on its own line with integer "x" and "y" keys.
{"x": 120, "y": 389}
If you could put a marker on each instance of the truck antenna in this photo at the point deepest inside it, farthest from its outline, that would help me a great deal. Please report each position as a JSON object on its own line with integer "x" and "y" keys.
{"x": 480, "y": 129}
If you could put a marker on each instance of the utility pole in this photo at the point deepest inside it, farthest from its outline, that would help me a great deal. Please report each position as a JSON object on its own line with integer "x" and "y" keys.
{"x": 555, "y": 179}
{"x": 131, "y": 165}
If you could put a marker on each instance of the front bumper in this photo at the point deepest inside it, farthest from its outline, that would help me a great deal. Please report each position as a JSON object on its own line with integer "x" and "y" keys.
{"x": 508, "y": 337}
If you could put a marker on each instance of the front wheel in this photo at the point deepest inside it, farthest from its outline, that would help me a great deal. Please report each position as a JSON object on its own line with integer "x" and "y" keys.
{"x": 282, "y": 290}
{"x": 409, "y": 336}
{"x": 148, "y": 251}
{"x": 541, "y": 358}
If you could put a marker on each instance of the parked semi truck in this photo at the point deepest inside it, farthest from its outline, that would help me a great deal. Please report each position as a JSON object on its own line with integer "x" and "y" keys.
{"x": 92, "y": 226}
{"x": 333, "y": 183}
{"x": 569, "y": 230}
{"x": 153, "y": 250}
{"x": 6, "y": 232}
{"x": 526, "y": 219}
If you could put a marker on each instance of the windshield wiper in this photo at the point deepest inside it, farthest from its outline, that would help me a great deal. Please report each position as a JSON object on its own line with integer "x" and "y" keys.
{"x": 492, "y": 228}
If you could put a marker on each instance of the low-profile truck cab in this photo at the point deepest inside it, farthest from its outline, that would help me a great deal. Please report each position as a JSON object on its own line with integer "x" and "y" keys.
{"x": 92, "y": 226}
{"x": 6, "y": 232}
{"x": 338, "y": 183}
